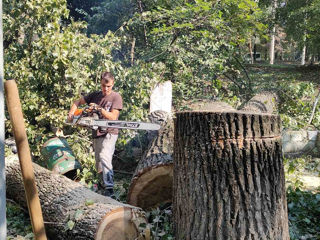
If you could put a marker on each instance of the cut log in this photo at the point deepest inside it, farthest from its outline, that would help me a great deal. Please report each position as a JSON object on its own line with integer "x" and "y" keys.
{"x": 151, "y": 184}
{"x": 64, "y": 201}
{"x": 228, "y": 177}
{"x": 263, "y": 102}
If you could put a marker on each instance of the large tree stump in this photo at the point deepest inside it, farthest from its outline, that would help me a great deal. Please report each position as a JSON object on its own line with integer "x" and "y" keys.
{"x": 62, "y": 200}
{"x": 151, "y": 184}
{"x": 228, "y": 176}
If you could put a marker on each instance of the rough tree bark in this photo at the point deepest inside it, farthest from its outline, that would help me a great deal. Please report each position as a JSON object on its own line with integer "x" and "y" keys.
{"x": 95, "y": 216}
{"x": 228, "y": 176}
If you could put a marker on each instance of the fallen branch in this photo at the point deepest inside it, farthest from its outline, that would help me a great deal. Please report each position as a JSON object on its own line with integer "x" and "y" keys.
{"x": 314, "y": 108}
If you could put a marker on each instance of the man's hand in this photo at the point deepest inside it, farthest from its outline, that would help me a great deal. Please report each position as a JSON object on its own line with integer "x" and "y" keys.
{"x": 70, "y": 116}
{"x": 94, "y": 106}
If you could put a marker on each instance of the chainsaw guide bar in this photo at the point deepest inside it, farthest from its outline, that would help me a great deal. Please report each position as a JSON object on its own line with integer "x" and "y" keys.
{"x": 104, "y": 124}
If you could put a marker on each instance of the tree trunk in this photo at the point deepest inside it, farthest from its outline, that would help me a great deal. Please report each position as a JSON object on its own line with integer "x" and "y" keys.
{"x": 303, "y": 55}
{"x": 228, "y": 177}
{"x": 254, "y": 50}
{"x": 152, "y": 181}
{"x": 250, "y": 50}
{"x": 62, "y": 200}
{"x": 273, "y": 33}
{"x": 272, "y": 43}
{"x": 263, "y": 102}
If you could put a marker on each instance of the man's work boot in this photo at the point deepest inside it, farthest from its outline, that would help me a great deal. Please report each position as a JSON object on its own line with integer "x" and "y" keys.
{"x": 109, "y": 192}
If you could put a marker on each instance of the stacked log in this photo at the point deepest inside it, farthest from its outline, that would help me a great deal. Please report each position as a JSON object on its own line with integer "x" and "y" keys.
{"x": 228, "y": 176}
{"x": 72, "y": 211}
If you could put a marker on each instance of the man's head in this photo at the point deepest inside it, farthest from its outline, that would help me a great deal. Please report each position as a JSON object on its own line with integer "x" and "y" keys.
{"x": 107, "y": 82}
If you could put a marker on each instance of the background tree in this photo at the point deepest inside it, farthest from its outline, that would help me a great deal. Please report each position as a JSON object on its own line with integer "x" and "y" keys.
{"x": 102, "y": 15}
{"x": 273, "y": 31}
{"x": 196, "y": 42}
{"x": 80, "y": 9}
{"x": 301, "y": 23}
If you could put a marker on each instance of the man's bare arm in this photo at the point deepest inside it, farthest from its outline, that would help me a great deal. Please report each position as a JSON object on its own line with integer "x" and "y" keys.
{"x": 113, "y": 115}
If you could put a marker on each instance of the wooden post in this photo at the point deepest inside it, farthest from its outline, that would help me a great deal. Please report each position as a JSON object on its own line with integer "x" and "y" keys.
{"x": 228, "y": 177}
{"x": 17, "y": 120}
{"x": 3, "y": 228}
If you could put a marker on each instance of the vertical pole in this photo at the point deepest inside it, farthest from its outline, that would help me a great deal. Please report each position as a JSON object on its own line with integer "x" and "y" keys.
{"x": 3, "y": 225}
{"x": 20, "y": 136}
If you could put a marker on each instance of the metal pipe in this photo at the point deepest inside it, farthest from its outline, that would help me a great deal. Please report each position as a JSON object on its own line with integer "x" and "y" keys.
{"x": 3, "y": 221}
{"x": 17, "y": 121}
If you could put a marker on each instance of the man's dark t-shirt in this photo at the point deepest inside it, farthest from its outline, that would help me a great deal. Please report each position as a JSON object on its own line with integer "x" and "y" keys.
{"x": 108, "y": 102}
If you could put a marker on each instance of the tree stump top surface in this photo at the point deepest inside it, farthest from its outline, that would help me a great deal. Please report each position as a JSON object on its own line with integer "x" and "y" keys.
{"x": 209, "y": 105}
{"x": 221, "y": 110}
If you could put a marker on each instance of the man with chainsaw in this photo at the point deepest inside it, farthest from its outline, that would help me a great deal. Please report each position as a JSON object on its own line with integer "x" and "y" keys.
{"x": 108, "y": 104}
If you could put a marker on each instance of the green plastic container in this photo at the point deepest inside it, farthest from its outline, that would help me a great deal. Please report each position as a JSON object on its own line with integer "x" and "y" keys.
{"x": 59, "y": 157}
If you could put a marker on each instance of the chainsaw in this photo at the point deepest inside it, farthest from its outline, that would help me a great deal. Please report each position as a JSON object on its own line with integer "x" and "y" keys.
{"x": 89, "y": 117}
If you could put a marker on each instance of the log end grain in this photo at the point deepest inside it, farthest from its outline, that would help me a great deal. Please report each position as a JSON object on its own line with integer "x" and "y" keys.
{"x": 152, "y": 187}
{"x": 121, "y": 224}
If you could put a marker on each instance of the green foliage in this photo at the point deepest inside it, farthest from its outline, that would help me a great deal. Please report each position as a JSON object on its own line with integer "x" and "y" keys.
{"x": 295, "y": 107}
{"x": 109, "y": 15}
{"x": 300, "y": 19}
{"x": 160, "y": 223}
{"x": 303, "y": 204}
{"x": 58, "y": 64}
{"x": 103, "y": 15}
{"x": 296, "y": 94}
{"x": 79, "y": 9}
{"x": 18, "y": 222}
{"x": 195, "y": 42}
{"x": 304, "y": 214}
{"x": 293, "y": 171}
